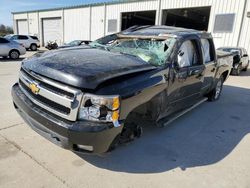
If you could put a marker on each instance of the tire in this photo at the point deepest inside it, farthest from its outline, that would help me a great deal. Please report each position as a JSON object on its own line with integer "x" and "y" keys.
{"x": 33, "y": 47}
{"x": 14, "y": 54}
{"x": 214, "y": 95}
{"x": 237, "y": 70}
{"x": 245, "y": 69}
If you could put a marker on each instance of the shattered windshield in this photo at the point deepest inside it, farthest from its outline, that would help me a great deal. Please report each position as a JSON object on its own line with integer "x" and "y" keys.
{"x": 151, "y": 51}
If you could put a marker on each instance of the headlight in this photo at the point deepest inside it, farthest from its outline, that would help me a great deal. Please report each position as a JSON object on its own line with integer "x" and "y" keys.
{"x": 100, "y": 108}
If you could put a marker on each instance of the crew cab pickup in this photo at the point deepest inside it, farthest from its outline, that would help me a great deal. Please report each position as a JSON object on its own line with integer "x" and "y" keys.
{"x": 84, "y": 98}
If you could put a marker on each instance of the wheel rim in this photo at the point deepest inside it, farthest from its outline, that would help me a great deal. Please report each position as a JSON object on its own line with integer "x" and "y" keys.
{"x": 33, "y": 47}
{"x": 218, "y": 89}
{"x": 14, "y": 55}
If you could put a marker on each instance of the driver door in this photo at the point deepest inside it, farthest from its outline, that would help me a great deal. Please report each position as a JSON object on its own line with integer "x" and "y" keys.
{"x": 187, "y": 76}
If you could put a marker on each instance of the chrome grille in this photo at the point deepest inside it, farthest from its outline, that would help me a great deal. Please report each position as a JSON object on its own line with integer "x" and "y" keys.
{"x": 57, "y": 98}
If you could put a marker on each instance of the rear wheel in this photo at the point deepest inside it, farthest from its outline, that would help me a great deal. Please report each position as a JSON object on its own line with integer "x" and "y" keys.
{"x": 33, "y": 47}
{"x": 14, "y": 54}
{"x": 237, "y": 70}
{"x": 245, "y": 69}
{"x": 216, "y": 92}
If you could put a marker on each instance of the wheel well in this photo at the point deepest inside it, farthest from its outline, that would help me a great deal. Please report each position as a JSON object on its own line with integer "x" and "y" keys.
{"x": 14, "y": 50}
{"x": 224, "y": 75}
{"x": 32, "y": 44}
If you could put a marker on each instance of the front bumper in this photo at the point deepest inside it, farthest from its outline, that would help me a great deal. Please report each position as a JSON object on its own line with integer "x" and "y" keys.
{"x": 64, "y": 133}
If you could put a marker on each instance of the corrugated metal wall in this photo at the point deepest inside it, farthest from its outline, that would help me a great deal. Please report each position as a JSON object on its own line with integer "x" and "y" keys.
{"x": 223, "y": 7}
{"x": 33, "y": 23}
{"x": 244, "y": 35}
{"x": 76, "y": 24}
{"x": 91, "y": 22}
{"x": 97, "y": 22}
{"x": 217, "y": 7}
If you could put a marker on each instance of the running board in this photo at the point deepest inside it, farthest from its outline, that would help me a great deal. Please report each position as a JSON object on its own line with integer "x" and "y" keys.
{"x": 177, "y": 115}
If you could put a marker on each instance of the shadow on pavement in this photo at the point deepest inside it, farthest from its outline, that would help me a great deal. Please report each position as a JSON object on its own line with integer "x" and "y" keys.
{"x": 204, "y": 136}
{"x": 245, "y": 73}
{"x": 10, "y": 60}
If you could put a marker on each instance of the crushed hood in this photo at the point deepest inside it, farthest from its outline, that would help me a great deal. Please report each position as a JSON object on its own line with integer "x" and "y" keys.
{"x": 84, "y": 67}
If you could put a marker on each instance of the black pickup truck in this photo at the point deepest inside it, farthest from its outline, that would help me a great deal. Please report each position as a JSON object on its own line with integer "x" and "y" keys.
{"x": 240, "y": 59}
{"x": 84, "y": 98}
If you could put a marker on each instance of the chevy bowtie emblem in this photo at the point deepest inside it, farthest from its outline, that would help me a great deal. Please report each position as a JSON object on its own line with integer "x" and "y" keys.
{"x": 34, "y": 88}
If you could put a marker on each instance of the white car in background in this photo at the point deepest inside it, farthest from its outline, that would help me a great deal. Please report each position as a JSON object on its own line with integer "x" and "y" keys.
{"x": 12, "y": 49}
{"x": 29, "y": 42}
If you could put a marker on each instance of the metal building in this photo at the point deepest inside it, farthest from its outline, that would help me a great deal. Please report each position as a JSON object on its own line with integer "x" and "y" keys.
{"x": 227, "y": 20}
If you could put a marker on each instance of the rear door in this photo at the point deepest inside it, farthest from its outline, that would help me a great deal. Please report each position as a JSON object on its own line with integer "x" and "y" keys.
{"x": 185, "y": 87}
{"x": 22, "y": 39}
{"x": 209, "y": 58}
{"x": 4, "y": 47}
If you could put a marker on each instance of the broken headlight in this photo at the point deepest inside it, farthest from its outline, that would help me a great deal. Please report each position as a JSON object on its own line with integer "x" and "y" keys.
{"x": 100, "y": 108}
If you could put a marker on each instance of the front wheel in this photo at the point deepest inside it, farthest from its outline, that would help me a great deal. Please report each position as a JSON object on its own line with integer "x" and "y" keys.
{"x": 14, "y": 54}
{"x": 216, "y": 92}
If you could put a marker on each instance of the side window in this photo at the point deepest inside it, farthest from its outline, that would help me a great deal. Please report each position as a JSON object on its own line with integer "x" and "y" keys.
{"x": 3, "y": 41}
{"x": 22, "y": 37}
{"x": 207, "y": 50}
{"x": 187, "y": 54}
{"x": 14, "y": 37}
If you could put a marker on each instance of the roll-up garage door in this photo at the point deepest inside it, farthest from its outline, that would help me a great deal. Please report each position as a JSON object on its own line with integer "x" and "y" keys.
{"x": 52, "y": 30}
{"x": 22, "y": 27}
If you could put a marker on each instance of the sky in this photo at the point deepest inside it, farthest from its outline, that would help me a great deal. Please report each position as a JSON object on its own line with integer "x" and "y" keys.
{"x": 8, "y": 6}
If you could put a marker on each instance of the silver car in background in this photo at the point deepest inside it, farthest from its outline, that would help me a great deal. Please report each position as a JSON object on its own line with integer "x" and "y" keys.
{"x": 28, "y": 41}
{"x": 11, "y": 49}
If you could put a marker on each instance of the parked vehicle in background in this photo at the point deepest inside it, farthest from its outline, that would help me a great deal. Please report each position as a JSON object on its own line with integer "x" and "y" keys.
{"x": 12, "y": 49}
{"x": 51, "y": 45}
{"x": 75, "y": 43}
{"x": 84, "y": 99}
{"x": 29, "y": 42}
{"x": 241, "y": 59}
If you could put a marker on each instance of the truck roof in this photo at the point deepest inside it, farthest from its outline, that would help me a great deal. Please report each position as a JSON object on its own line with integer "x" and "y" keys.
{"x": 162, "y": 30}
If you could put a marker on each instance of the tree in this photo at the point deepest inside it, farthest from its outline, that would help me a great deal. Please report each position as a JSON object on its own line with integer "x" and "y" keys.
{"x": 5, "y": 30}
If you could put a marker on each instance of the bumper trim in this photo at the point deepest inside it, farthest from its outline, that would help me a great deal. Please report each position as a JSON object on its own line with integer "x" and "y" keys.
{"x": 63, "y": 133}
